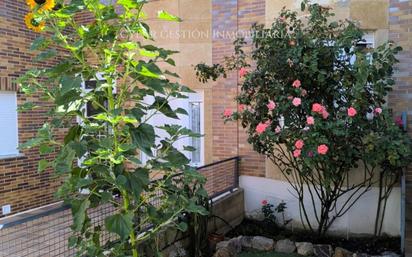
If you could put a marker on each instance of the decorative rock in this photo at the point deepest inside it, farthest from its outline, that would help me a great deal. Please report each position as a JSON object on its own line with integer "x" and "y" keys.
{"x": 341, "y": 252}
{"x": 222, "y": 244}
{"x": 246, "y": 242}
{"x": 236, "y": 244}
{"x": 389, "y": 254}
{"x": 225, "y": 252}
{"x": 360, "y": 255}
{"x": 262, "y": 243}
{"x": 285, "y": 246}
{"x": 323, "y": 251}
{"x": 304, "y": 248}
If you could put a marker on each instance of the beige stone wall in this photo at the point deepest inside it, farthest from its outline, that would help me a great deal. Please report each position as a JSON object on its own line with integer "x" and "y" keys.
{"x": 372, "y": 15}
{"x": 192, "y": 38}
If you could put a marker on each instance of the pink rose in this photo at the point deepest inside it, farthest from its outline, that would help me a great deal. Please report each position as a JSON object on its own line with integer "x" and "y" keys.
{"x": 242, "y": 107}
{"x": 299, "y": 144}
{"x": 290, "y": 97}
{"x": 318, "y": 108}
{"x": 325, "y": 114}
{"x": 296, "y": 83}
{"x": 278, "y": 130}
{"x": 264, "y": 202}
{"x": 378, "y": 110}
{"x": 310, "y": 120}
{"x": 323, "y": 149}
{"x": 297, "y": 101}
{"x": 297, "y": 153}
{"x": 352, "y": 112}
{"x": 243, "y": 72}
{"x": 271, "y": 105}
{"x": 227, "y": 113}
{"x": 261, "y": 127}
{"x": 310, "y": 154}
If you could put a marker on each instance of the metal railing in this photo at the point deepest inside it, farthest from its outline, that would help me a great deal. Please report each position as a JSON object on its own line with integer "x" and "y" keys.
{"x": 45, "y": 232}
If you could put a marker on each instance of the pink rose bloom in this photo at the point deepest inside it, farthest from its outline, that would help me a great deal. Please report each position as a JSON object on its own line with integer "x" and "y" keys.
{"x": 228, "y": 112}
{"x": 243, "y": 72}
{"x": 271, "y": 105}
{"x": 290, "y": 97}
{"x": 310, "y": 154}
{"x": 297, "y": 153}
{"x": 278, "y": 130}
{"x": 378, "y": 110}
{"x": 325, "y": 114}
{"x": 296, "y": 83}
{"x": 323, "y": 149}
{"x": 310, "y": 120}
{"x": 297, "y": 101}
{"x": 261, "y": 127}
{"x": 352, "y": 112}
{"x": 242, "y": 107}
{"x": 264, "y": 202}
{"x": 318, "y": 108}
{"x": 299, "y": 144}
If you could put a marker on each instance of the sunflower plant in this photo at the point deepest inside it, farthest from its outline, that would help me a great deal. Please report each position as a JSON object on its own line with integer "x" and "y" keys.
{"x": 313, "y": 102}
{"x": 108, "y": 125}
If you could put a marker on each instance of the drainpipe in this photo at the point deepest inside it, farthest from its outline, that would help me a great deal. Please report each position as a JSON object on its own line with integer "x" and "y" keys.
{"x": 403, "y": 195}
{"x": 403, "y": 217}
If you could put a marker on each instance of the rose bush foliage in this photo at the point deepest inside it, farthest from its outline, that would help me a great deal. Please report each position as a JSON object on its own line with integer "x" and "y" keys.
{"x": 313, "y": 101}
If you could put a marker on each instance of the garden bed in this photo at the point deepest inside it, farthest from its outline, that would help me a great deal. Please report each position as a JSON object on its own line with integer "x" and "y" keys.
{"x": 358, "y": 244}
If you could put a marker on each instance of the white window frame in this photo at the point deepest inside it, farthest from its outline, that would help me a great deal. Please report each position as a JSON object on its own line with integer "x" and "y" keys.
{"x": 15, "y": 152}
{"x": 198, "y": 97}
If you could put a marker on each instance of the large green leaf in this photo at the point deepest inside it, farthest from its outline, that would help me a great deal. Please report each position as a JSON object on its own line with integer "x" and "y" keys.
{"x": 120, "y": 224}
{"x": 163, "y": 15}
{"x": 163, "y": 106}
{"x": 79, "y": 211}
{"x": 144, "y": 137}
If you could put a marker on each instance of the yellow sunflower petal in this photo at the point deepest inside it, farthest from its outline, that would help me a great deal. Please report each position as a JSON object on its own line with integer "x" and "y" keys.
{"x": 48, "y": 5}
{"x": 31, "y": 3}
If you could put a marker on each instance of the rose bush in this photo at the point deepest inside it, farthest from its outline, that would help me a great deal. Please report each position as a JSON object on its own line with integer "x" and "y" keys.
{"x": 311, "y": 102}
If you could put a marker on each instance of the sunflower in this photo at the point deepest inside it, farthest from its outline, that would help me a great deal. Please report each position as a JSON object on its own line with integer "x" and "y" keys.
{"x": 44, "y": 5}
{"x": 32, "y": 24}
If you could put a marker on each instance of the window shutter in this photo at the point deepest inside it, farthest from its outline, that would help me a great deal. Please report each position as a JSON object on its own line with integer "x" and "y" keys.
{"x": 8, "y": 123}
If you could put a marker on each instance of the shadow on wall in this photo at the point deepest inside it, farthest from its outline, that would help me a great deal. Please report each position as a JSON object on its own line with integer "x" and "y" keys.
{"x": 360, "y": 219}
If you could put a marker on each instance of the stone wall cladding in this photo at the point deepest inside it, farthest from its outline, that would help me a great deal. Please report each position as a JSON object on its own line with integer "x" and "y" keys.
{"x": 230, "y": 139}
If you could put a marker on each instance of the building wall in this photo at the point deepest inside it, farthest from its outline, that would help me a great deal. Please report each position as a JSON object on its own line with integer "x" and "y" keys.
{"x": 400, "y": 31}
{"x": 381, "y": 24}
{"x": 21, "y": 185}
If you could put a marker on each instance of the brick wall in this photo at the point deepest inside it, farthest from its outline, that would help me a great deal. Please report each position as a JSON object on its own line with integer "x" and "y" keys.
{"x": 21, "y": 185}
{"x": 400, "y": 31}
{"x": 230, "y": 16}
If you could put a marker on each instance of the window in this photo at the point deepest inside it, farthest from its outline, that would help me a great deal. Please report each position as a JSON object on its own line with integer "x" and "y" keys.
{"x": 8, "y": 123}
{"x": 194, "y": 121}
{"x": 195, "y": 110}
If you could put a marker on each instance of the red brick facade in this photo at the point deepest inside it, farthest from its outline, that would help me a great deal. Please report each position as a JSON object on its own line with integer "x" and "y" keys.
{"x": 230, "y": 16}
{"x": 400, "y": 31}
{"x": 21, "y": 185}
